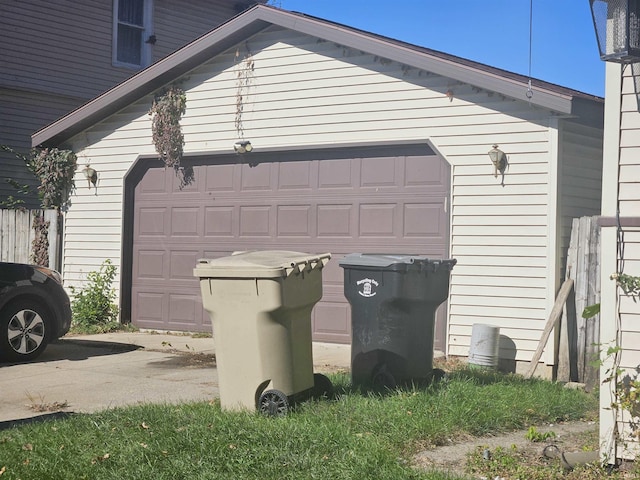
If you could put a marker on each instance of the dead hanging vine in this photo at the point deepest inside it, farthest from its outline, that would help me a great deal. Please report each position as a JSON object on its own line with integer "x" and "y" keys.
{"x": 40, "y": 243}
{"x": 244, "y": 80}
{"x": 167, "y": 110}
{"x": 55, "y": 170}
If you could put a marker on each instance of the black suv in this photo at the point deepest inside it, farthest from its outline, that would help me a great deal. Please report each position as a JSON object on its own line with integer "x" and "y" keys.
{"x": 34, "y": 310}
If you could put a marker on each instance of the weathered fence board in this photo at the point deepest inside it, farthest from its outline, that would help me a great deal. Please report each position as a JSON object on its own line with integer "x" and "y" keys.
{"x": 580, "y": 337}
{"x": 17, "y": 234}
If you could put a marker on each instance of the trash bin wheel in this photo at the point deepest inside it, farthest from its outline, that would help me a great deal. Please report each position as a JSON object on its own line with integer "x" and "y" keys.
{"x": 273, "y": 403}
{"x": 322, "y": 386}
{"x": 382, "y": 378}
{"x": 437, "y": 375}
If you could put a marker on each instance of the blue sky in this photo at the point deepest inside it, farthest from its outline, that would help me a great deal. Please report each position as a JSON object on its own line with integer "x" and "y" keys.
{"x": 494, "y": 32}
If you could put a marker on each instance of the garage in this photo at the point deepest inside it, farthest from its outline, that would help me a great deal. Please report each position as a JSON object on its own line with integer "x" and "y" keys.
{"x": 361, "y": 143}
{"x": 377, "y": 198}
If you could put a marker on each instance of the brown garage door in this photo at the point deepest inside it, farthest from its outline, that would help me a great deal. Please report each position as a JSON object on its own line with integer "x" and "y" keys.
{"x": 365, "y": 200}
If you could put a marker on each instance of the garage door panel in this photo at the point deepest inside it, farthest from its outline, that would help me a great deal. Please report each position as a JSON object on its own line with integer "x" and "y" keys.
{"x": 423, "y": 220}
{"x": 152, "y": 183}
{"x": 184, "y": 309}
{"x": 294, "y": 221}
{"x": 421, "y": 171}
{"x": 331, "y": 321}
{"x": 150, "y": 309}
{"x": 150, "y": 265}
{"x": 254, "y": 221}
{"x": 220, "y": 221}
{"x": 181, "y": 264}
{"x": 377, "y": 220}
{"x": 295, "y": 176}
{"x": 335, "y": 221}
{"x": 185, "y": 222}
{"x": 220, "y": 178}
{"x": 336, "y": 174}
{"x": 332, "y": 273}
{"x": 385, "y": 204}
{"x": 151, "y": 222}
{"x": 379, "y": 172}
{"x": 255, "y": 178}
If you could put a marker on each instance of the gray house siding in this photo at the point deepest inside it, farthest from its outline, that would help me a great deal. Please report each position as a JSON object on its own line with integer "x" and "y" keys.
{"x": 56, "y": 58}
{"x": 581, "y": 173}
{"x": 177, "y": 24}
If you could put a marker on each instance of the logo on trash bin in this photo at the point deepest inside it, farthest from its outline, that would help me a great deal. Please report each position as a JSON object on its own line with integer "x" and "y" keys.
{"x": 367, "y": 286}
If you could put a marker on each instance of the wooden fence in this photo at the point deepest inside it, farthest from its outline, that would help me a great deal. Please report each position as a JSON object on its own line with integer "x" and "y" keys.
{"x": 17, "y": 234}
{"x": 579, "y": 337}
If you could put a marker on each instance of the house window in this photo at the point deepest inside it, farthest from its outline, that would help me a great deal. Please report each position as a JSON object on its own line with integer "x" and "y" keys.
{"x": 132, "y": 24}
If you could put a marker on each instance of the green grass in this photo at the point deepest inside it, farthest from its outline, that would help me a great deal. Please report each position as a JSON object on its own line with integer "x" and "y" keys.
{"x": 358, "y": 435}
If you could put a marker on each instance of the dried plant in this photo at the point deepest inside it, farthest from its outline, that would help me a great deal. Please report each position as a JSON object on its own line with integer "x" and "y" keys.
{"x": 40, "y": 244}
{"x": 244, "y": 79}
{"x": 167, "y": 110}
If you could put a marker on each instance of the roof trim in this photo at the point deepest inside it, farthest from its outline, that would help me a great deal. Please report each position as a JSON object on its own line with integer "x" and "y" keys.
{"x": 256, "y": 19}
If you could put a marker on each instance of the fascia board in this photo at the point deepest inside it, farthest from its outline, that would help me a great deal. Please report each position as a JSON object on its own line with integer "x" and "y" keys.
{"x": 447, "y": 68}
{"x": 161, "y": 73}
{"x": 257, "y": 19}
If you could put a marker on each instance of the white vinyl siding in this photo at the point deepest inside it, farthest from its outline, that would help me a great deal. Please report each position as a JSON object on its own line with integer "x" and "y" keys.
{"x": 308, "y": 92}
{"x": 621, "y": 189}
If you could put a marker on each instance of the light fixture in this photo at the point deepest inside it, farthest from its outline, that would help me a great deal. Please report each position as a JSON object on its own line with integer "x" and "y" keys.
{"x": 243, "y": 146}
{"x": 91, "y": 175}
{"x": 499, "y": 160}
{"x": 617, "y": 25}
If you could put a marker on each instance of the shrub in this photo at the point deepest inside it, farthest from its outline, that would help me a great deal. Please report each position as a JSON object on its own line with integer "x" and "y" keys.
{"x": 94, "y": 309}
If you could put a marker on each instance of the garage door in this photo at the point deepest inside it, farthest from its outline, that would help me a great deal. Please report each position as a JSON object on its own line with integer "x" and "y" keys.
{"x": 382, "y": 200}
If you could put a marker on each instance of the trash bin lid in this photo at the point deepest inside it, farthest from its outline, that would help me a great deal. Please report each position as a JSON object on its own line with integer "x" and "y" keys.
{"x": 260, "y": 264}
{"x": 394, "y": 262}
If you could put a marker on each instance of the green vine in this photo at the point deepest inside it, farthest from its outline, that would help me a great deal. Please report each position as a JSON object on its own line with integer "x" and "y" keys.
{"x": 54, "y": 169}
{"x": 629, "y": 284}
{"x": 625, "y": 390}
{"x": 167, "y": 110}
{"x": 625, "y": 385}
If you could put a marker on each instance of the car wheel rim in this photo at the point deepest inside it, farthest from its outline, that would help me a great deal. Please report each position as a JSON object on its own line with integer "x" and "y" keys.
{"x": 26, "y": 332}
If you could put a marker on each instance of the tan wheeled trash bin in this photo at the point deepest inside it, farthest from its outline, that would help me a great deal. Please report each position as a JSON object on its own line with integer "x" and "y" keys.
{"x": 260, "y": 306}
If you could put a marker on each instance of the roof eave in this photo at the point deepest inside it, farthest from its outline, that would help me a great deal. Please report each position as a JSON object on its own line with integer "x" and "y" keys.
{"x": 261, "y": 17}
{"x": 408, "y": 56}
{"x": 150, "y": 79}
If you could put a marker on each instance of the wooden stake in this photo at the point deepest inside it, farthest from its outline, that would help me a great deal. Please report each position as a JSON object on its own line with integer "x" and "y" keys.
{"x": 551, "y": 323}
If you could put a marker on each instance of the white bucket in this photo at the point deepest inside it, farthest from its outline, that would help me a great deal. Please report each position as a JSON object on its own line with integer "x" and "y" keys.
{"x": 485, "y": 340}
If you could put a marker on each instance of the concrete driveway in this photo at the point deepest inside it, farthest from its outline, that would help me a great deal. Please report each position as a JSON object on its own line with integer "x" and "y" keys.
{"x": 85, "y": 374}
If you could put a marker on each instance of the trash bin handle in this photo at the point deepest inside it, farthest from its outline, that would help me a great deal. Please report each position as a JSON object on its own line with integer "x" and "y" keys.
{"x": 308, "y": 264}
{"x": 320, "y": 261}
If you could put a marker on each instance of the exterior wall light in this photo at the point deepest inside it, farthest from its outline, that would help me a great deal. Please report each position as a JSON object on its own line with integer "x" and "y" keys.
{"x": 243, "y": 146}
{"x": 499, "y": 160}
{"x": 617, "y": 26}
{"x": 91, "y": 175}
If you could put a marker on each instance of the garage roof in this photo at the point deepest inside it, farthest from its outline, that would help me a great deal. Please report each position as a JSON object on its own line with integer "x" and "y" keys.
{"x": 562, "y": 100}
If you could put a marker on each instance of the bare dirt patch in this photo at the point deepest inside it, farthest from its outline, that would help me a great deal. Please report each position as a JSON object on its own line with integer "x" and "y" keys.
{"x": 568, "y": 437}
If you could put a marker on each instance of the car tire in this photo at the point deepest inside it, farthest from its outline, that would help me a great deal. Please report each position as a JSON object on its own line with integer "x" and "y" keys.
{"x": 25, "y": 330}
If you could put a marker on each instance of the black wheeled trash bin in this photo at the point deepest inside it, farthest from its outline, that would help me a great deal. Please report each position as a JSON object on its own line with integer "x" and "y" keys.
{"x": 393, "y": 300}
